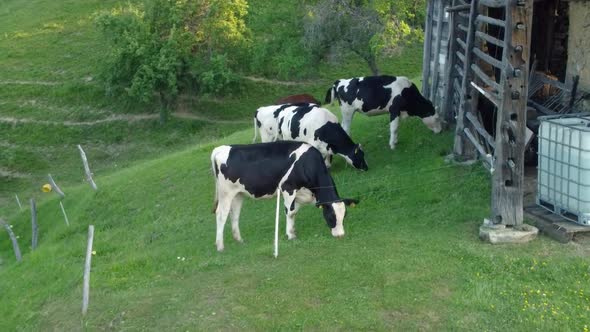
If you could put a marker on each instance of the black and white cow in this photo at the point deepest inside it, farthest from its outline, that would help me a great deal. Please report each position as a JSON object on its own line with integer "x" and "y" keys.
{"x": 258, "y": 170}
{"x": 311, "y": 124}
{"x": 375, "y": 95}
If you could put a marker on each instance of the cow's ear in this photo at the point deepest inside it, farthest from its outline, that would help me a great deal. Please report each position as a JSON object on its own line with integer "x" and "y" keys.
{"x": 350, "y": 202}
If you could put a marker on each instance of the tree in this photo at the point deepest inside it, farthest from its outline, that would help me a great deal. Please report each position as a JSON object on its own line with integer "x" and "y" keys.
{"x": 367, "y": 28}
{"x": 162, "y": 47}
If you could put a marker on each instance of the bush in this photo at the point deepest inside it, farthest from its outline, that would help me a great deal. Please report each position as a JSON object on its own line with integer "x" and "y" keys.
{"x": 164, "y": 47}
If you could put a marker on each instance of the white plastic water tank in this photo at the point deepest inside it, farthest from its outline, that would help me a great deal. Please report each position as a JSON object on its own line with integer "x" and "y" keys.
{"x": 563, "y": 184}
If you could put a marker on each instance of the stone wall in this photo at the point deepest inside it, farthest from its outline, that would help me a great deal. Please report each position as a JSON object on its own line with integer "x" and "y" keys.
{"x": 579, "y": 45}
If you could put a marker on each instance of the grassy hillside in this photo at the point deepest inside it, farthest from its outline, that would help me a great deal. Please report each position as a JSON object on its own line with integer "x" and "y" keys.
{"x": 51, "y": 98}
{"x": 410, "y": 260}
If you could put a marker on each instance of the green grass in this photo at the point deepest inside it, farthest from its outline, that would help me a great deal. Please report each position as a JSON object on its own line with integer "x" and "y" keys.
{"x": 410, "y": 260}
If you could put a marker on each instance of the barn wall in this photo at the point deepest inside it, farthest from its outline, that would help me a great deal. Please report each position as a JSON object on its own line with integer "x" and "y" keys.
{"x": 579, "y": 45}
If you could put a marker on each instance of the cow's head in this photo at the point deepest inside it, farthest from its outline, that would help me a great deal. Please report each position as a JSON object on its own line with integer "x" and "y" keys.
{"x": 334, "y": 213}
{"x": 356, "y": 158}
{"x": 430, "y": 116}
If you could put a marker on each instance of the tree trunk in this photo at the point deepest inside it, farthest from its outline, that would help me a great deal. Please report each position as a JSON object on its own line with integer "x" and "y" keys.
{"x": 373, "y": 65}
{"x": 164, "y": 105}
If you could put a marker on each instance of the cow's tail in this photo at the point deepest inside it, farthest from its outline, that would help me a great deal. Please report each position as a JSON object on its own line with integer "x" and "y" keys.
{"x": 329, "y": 96}
{"x": 255, "y": 129}
{"x": 215, "y": 198}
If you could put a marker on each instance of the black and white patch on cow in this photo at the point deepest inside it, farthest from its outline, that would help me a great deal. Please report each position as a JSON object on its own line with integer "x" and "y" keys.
{"x": 257, "y": 170}
{"x": 311, "y": 124}
{"x": 375, "y": 95}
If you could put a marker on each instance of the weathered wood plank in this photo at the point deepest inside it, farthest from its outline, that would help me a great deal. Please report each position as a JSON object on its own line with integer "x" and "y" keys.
{"x": 462, "y": 148}
{"x": 493, "y": 3}
{"x": 480, "y": 54}
{"x": 461, "y": 43}
{"x": 448, "y": 76}
{"x": 485, "y": 78}
{"x": 437, "y": 49}
{"x": 458, "y": 8}
{"x": 461, "y": 57}
{"x": 462, "y": 27}
{"x": 427, "y": 49}
{"x": 491, "y": 97}
{"x": 489, "y": 20}
{"x": 507, "y": 190}
{"x": 480, "y": 129}
{"x": 489, "y": 39}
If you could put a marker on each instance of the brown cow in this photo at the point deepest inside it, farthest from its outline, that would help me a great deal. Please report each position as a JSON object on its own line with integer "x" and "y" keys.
{"x": 296, "y": 99}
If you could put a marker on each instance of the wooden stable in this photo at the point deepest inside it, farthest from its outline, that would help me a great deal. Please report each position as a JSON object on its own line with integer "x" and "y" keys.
{"x": 487, "y": 46}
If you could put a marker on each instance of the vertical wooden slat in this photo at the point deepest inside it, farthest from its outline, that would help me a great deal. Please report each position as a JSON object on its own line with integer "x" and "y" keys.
{"x": 507, "y": 179}
{"x": 437, "y": 41}
{"x": 446, "y": 111}
{"x": 427, "y": 49}
{"x": 463, "y": 148}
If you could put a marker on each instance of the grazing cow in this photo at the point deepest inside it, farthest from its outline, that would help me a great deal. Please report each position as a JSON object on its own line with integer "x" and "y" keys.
{"x": 297, "y": 99}
{"x": 374, "y": 95}
{"x": 258, "y": 170}
{"x": 311, "y": 124}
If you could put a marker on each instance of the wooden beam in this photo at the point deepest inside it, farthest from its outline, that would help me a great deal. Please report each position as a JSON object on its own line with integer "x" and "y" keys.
{"x": 461, "y": 43}
{"x": 445, "y": 112}
{"x": 480, "y": 149}
{"x": 485, "y": 78}
{"x": 462, "y": 148}
{"x": 493, "y": 3}
{"x": 507, "y": 181}
{"x": 437, "y": 49}
{"x": 458, "y": 8}
{"x": 15, "y": 246}
{"x": 461, "y": 57}
{"x": 480, "y": 129}
{"x": 489, "y": 20}
{"x": 480, "y": 54}
{"x": 427, "y": 49}
{"x": 489, "y": 39}
{"x": 487, "y": 94}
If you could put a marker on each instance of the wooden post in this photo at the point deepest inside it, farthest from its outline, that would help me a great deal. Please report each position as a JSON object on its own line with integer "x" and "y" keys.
{"x": 86, "y": 286}
{"x": 445, "y": 111}
{"x": 34, "y": 226}
{"x": 15, "y": 246}
{"x": 55, "y": 186}
{"x": 64, "y": 213}
{"x": 463, "y": 148}
{"x": 507, "y": 200}
{"x": 87, "y": 168}
{"x": 18, "y": 202}
{"x": 438, "y": 40}
{"x": 427, "y": 48}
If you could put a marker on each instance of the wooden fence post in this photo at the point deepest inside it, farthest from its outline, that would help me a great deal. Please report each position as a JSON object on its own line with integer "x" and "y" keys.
{"x": 87, "y": 168}
{"x": 86, "y": 287}
{"x": 55, "y": 186}
{"x": 13, "y": 239}
{"x": 18, "y": 202}
{"x": 34, "y": 226}
{"x": 64, "y": 213}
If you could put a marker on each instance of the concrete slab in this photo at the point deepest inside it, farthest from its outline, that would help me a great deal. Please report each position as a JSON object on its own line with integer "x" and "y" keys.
{"x": 499, "y": 234}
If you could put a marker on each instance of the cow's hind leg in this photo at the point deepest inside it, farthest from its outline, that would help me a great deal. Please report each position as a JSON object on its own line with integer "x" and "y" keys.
{"x": 223, "y": 208}
{"x": 347, "y": 114}
{"x": 236, "y": 207}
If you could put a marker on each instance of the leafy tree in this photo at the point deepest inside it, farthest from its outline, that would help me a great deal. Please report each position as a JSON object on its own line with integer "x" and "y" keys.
{"x": 367, "y": 28}
{"x": 163, "y": 47}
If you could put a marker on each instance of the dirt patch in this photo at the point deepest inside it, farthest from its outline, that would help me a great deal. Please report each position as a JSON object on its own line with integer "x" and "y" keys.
{"x": 4, "y": 173}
